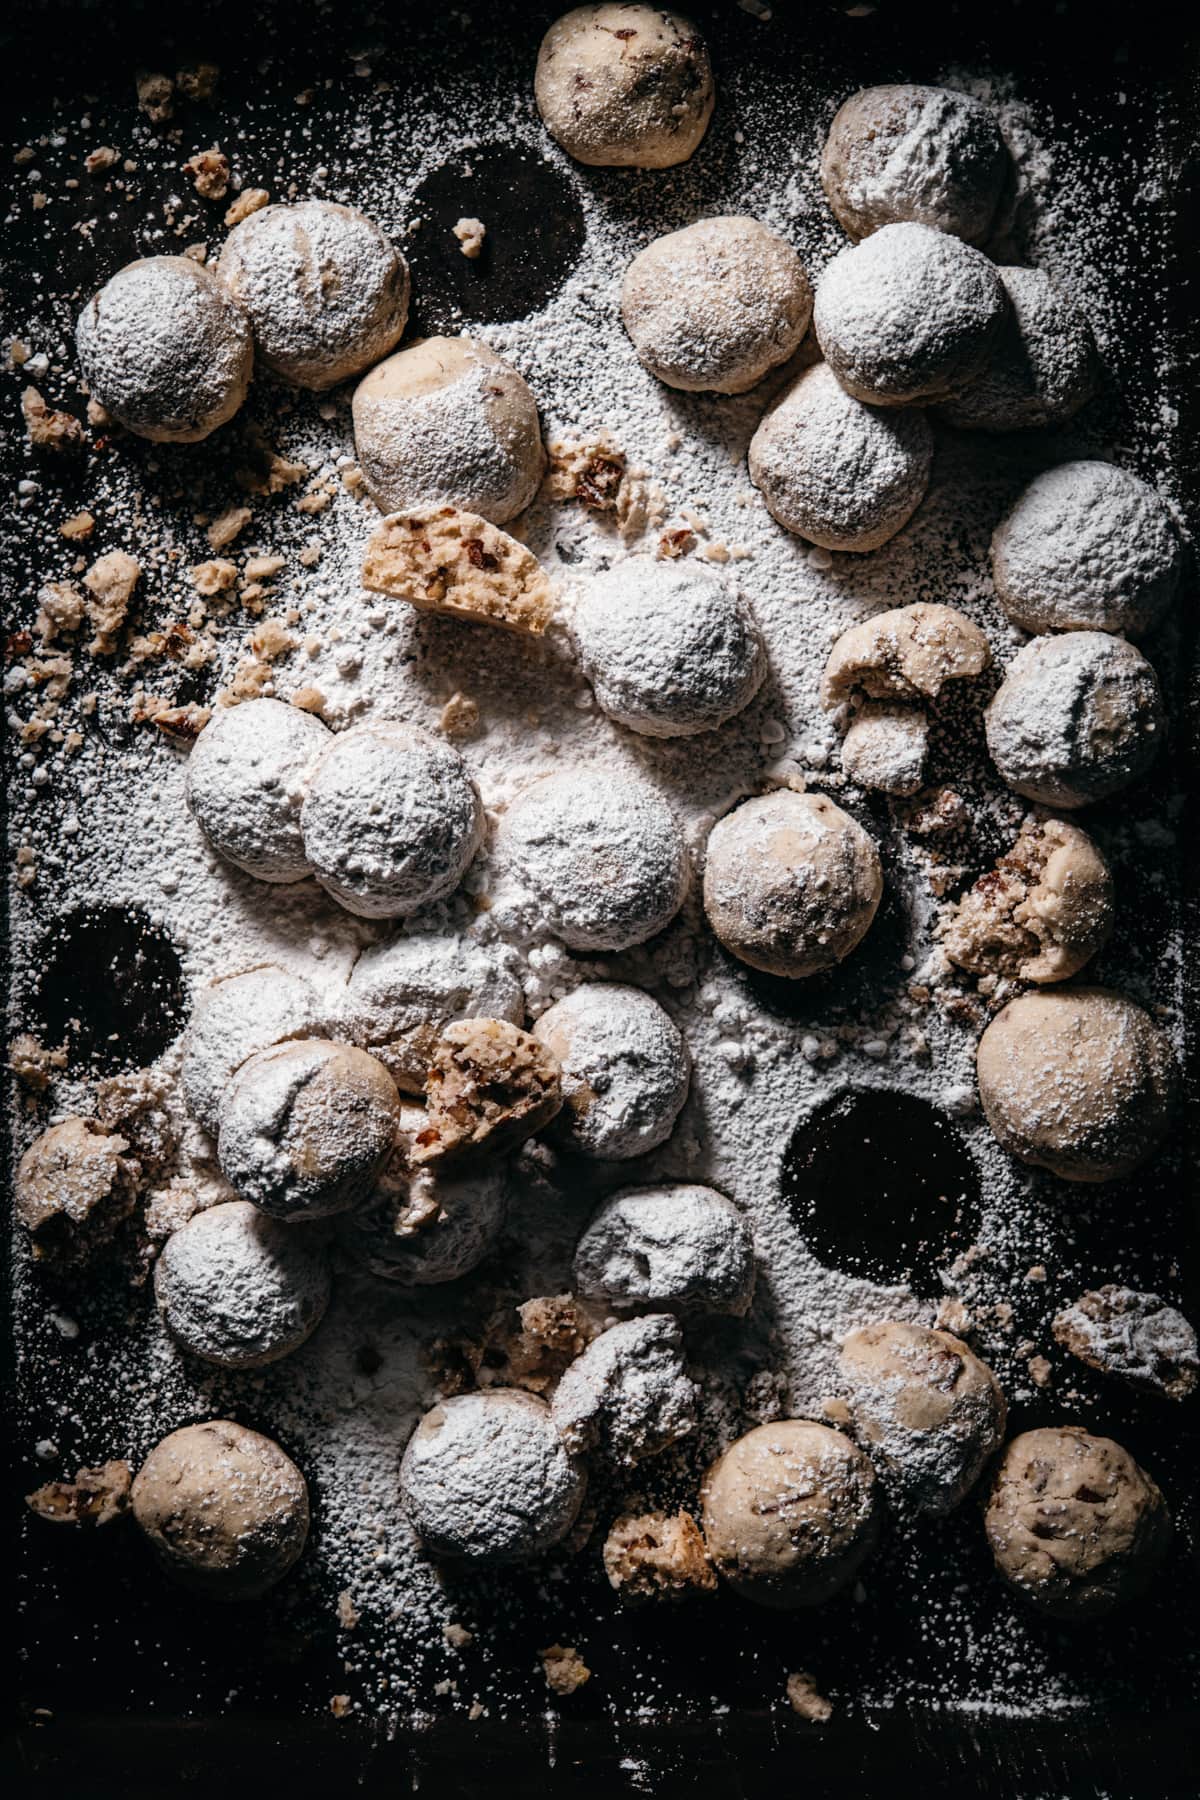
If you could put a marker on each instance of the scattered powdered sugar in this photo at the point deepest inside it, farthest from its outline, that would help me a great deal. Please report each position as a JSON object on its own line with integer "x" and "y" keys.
{"x": 107, "y": 822}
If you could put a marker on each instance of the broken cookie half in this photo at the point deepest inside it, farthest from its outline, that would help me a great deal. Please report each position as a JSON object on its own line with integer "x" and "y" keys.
{"x": 1042, "y": 912}
{"x": 443, "y": 560}
{"x": 879, "y": 676}
{"x": 490, "y": 1086}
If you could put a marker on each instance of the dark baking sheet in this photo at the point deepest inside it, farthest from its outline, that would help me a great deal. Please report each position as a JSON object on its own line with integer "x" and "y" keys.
{"x": 151, "y": 1693}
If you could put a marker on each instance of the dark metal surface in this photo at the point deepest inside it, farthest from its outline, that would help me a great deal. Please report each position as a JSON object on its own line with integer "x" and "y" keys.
{"x": 152, "y": 1693}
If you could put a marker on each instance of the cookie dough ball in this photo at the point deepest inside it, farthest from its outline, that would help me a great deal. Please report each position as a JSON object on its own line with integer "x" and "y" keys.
{"x": 1044, "y": 366}
{"x": 391, "y": 820}
{"x": 1080, "y": 1081}
{"x": 603, "y": 854}
{"x": 1087, "y": 547}
{"x": 1041, "y": 913}
{"x": 1074, "y": 1524}
{"x": 926, "y": 1410}
{"x": 908, "y": 316}
{"x": 224, "y": 1510}
{"x": 671, "y": 648}
{"x": 629, "y": 1395}
{"x": 246, "y": 779}
{"x": 234, "y": 1017}
{"x": 486, "y": 1478}
{"x": 420, "y": 1227}
{"x": 165, "y": 350}
{"x": 681, "y": 1247}
{"x": 841, "y": 474}
{"x": 239, "y": 1289}
{"x": 625, "y": 1070}
{"x": 624, "y": 86}
{"x": 1077, "y": 718}
{"x": 790, "y": 1513}
{"x": 306, "y": 1127}
{"x": 401, "y": 996}
{"x": 713, "y": 307}
{"x": 326, "y": 293}
{"x": 791, "y": 883}
{"x": 905, "y": 154}
{"x": 447, "y": 422}
{"x": 75, "y": 1187}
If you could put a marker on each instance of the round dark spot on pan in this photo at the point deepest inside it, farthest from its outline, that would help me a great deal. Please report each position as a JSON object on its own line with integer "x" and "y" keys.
{"x": 535, "y": 233}
{"x": 881, "y": 1185}
{"x": 111, "y": 987}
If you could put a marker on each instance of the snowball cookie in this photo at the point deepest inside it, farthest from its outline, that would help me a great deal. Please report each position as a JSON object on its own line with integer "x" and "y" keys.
{"x": 325, "y": 290}
{"x": 603, "y": 854}
{"x": 624, "y": 86}
{"x": 908, "y": 654}
{"x": 791, "y": 883}
{"x": 925, "y": 1409}
{"x": 235, "y": 1016}
{"x": 1087, "y": 547}
{"x": 1044, "y": 366}
{"x": 391, "y": 819}
{"x": 625, "y": 1070}
{"x": 680, "y": 1246}
{"x": 712, "y": 307}
{"x": 1080, "y": 1081}
{"x": 246, "y": 778}
{"x": 909, "y": 315}
{"x": 305, "y": 1128}
{"x": 447, "y": 422}
{"x": 790, "y": 1513}
{"x": 237, "y": 1288}
{"x": 486, "y": 1477}
{"x": 1073, "y": 1522}
{"x": 420, "y": 1228}
{"x": 841, "y": 474}
{"x": 1077, "y": 717}
{"x": 671, "y": 648}
{"x": 1041, "y": 913}
{"x": 905, "y": 154}
{"x": 401, "y": 996}
{"x": 165, "y": 350}
{"x": 224, "y": 1510}
{"x": 629, "y": 1395}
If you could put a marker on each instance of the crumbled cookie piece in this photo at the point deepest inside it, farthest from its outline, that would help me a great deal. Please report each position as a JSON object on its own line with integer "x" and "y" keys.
{"x": 1135, "y": 1336}
{"x": 209, "y": 170}
{"x": 110, "y": 581}
{"x": 95, "y": 1497}
{"x": 155, "y": 95}
{"x": 197, "y": 81}
{"x": 590, "y": 472}
{"x": 33, "y": 1064}
{"x": 49, "y": 430}
{"x": 564, "y": 1668}
{"x": 169, "y": 1208}
{"x": 61, "y": 609}
{"x": 340, "y": 1705}
{"x": 211, "y": 578}
{"x": 100, "y": 160}
{"x": 226, "y": 526}
{"x": 347, "y": 1613}
{"x": 182, "y": 724}
{"x": 459, "y": 718}
{"x": 80, "y": 525}
{"x": 250, "y": 200}
{"x": 470, "y": 234}
{"x": 271, "y": 639}
{"x": 457, "y": 1636}
{"x": 657, "y": 1556}
{"x": 1040, "y": 914}
{"x": 136, "y": 1106}
{"x": 804, "y": 1698}
{"x": 491, "y": 1085}
{"x": 446, "y": 561}
{"x": 908, "y": 654}
{"x": 76, "y": 1187}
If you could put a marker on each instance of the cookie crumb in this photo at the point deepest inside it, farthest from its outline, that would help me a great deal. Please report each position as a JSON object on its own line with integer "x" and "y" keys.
{"x": 470, "y": 234}
{"x": 564, "y": 1668}
{"x": 95, "y": 1497}
{"x": 209, "y": 170}
{"x": 250, "y": 200}
{"x": 227, "y": 526}
{"x": 803, "y": 1698}
{"x": 657, "y": 1556}
{"x": 459, "y": 718}
{"x": 110, "y": 581}
{"x": 457, "y": 1636}
{"x": 56, "y": 432}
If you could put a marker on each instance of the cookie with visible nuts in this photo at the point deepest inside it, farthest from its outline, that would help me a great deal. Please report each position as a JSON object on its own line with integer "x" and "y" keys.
{"x": 443, "y": 560}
